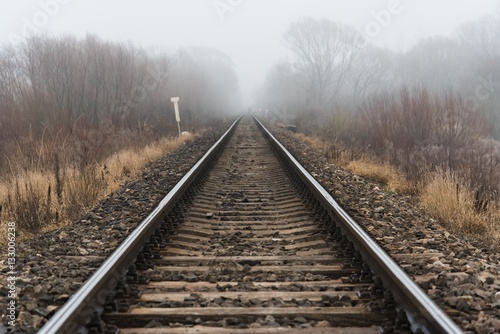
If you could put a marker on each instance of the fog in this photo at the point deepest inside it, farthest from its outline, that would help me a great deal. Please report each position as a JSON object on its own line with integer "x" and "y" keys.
{"x": 249, "y": 32}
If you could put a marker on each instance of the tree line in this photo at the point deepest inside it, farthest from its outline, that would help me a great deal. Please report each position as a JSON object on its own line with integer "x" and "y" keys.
{"x": 332, "y": 68}
{"x": 59, "y": 85}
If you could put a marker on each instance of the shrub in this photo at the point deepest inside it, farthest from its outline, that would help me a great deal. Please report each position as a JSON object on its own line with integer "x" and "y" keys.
{"x": 30, "y": 205}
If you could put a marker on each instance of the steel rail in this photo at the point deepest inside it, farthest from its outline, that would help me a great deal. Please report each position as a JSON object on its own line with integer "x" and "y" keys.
{"x": 73, "y": 316}
{"x": 422, "y": 312}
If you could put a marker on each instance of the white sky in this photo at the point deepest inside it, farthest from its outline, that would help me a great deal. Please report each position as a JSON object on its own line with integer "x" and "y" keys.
{"x": 250, "y": 33}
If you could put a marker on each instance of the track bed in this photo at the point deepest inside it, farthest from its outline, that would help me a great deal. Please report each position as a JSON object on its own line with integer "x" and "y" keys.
{"x": 249, "y": 254}
{"x": 249, "y": 242}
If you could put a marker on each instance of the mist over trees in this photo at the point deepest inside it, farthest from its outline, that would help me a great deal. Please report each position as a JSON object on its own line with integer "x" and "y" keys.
{"x": 51, "y": 85}
{"x": 325, "y": 52}
{"x": 332, "y": 70}
{"x": 208, "y": 81}
{"x": 80, "y": 116}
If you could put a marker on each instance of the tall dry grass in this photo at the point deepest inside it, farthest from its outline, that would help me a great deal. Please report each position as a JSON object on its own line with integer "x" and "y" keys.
{"x": 40, "y": 199}
{"x": 384, "y": 173}
{"x": 451, "y": 199}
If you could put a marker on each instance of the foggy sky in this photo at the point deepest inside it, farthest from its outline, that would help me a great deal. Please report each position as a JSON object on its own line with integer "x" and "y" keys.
{"x": 249, "y": 31}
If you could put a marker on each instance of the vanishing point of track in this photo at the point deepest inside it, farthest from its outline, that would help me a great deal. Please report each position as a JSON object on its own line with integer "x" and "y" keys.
{"x": 249, "y": 242}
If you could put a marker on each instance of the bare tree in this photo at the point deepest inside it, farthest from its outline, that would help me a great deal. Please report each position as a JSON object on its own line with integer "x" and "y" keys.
{"x": 369, "y": 74}
{"x": 324, "y": 51}
{"x": 433, "y": 62}
{"x": 481, "y": 36}
{"x": 481, "y": 43}
{"x": 10, "y": 116}
{"x": 283, "y": 90}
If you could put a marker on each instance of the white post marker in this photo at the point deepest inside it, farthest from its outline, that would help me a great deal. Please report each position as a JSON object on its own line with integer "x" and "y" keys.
{"x": 175, "y": 100}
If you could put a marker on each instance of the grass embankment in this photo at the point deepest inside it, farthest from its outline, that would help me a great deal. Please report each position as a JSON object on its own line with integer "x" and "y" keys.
{"x": 442, "y": 194}
{"x": 39, "y": 200}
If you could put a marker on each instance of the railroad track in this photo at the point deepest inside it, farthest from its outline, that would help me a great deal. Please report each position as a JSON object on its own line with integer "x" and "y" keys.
{"x": 248, "y": 242}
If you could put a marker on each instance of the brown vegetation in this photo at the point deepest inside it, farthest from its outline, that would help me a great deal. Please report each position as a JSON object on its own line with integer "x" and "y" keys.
{"x": 452, "y": 201}
{"x": 44, "y": 199}
{"x": 435, "y": 149}
{"x": 80, "y": 116}
{"x": 421, "y": 134}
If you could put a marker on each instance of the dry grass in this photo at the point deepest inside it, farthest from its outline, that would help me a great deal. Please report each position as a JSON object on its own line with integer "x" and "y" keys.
{"x": 359, "y": 164}
{"x": 444, "y": 195}
{"x": 41, "y": 200}
{"x": 314, "y": 142}
{"x": 128, "y": 162}
{"x": 451, "y": 200}
{"x": 382, "y": 173}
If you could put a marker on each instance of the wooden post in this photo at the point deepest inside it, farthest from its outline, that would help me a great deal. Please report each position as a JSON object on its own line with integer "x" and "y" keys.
{"x": 175, "y": 100}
